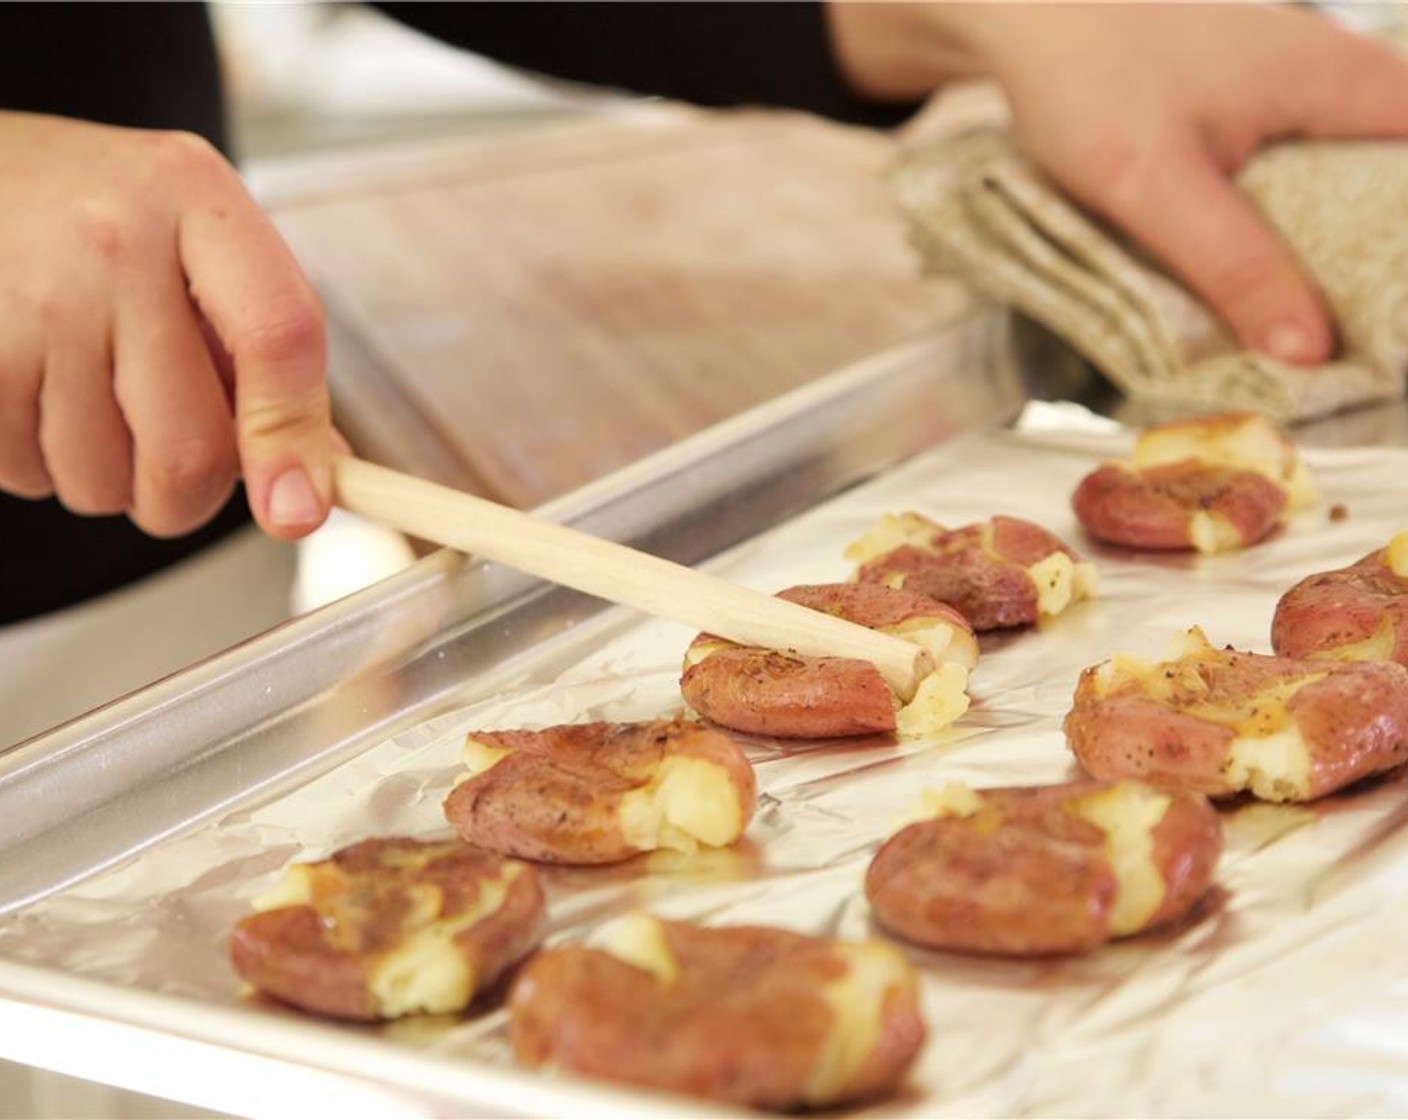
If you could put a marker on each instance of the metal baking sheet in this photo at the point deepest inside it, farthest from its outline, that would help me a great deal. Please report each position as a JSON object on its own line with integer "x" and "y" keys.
{"x": 274, "y": 713}
{"x": 1283, "y": 997}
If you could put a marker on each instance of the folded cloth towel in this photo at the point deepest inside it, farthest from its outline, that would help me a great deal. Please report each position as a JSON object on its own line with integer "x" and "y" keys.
{"x": 980, "y": 210}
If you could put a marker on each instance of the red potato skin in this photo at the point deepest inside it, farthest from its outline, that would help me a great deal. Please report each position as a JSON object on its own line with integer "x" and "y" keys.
{"x": 556, "y": 797}
{"x": 1354, "y": 722}
{"x": 323, "y": 962}
{"x": 990, "y": 593}
{"x": 879, "y": 608}
{"x": 500, "y": 941}
{"x": 1017, "y": 893}
{"x": 1330, "y": 610}
{"x": 1025, "y": 876}
{"x": 1152, "y": 508}
{"x": 989, "y": 587}
{"x": 1131, "y": 736}
{"x": 1187, "y": 846}
{"x": 286, "y": 954}
{"x": 764, "y": 692}
{"x": 744, "y": 1022}
{"x": 1025, "y": 543}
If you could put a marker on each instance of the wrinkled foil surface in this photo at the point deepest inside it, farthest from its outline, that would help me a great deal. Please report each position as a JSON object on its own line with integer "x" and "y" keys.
{"x": 1287, "y": 994}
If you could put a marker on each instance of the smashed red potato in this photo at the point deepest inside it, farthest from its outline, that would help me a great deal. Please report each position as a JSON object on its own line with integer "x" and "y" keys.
{"x": 1044, "y": 869}
{"x": 749, "y": 1015}
{"x": 1183, "y": 505}
{"x": 766, "y": 692}
{"x": 1239, "y": 440}
{"x": 998, "y": 573}
{"x": 1358, "y": 613}
{"x": 1223, "y": 722}
{"x": 602, "y": 792}
{"x": 390, "y": 927}
{"x": 1214, "y": 484}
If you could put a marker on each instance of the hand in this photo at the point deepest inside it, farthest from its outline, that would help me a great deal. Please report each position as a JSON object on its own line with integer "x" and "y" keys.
{"x": 1144, "y": 112}
{"x": 157, "y": 339}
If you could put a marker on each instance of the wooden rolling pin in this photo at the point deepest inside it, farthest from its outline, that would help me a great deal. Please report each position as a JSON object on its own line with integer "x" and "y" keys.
{"x": 616, "y": 573}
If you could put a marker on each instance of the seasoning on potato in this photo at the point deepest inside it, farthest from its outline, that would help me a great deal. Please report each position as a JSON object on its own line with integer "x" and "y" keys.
{"x": 766, "y": 692}
{"x": 1358, "y": 613}
{"x": 750, "y": 1015}
{"x": 1241, "y": 440}
{"x": 1223, "y": 722}
{"x": 1044, "y": 869}
{"x": 998, "y": 573}
{"x": 602, "y": 792}
{"x": 1214, "y": 484}
{"x": 390, "y": 927}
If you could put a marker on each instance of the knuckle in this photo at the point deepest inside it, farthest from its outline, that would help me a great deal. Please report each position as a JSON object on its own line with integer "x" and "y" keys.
{"x": 288, "y": 420}
{"x": 24, "y": 476}
{"x": 182, "y": 487}
{"x": 192, "y": 467}
{"x": 41, "y": 303}
{"x": 22, "y": 469}
{"x": 295, "y": 334}
{"x": 91, "y": 473}
{"x": 30, "y": 488}
{"x": 1234, "y": 142}
{"x": 1115, "y": 171}
{"x": 1111, "y": 158}
{"x": 95, "y": 497}
{"x": 19, "y": 394}
{"x": 107, "y": 225}
{"x": 164, "y": 522}
{"x": 1104, "y": 170}
{"x": 184, "y": 153}
{"x": 165, "y": 516}
{"x": 1246, "y": 280}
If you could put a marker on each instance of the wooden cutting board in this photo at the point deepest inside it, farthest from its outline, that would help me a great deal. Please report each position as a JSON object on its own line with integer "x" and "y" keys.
{"x": 519, "y": 314}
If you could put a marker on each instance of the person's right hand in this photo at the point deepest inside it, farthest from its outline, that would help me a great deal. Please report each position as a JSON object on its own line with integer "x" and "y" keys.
{"x": 157, "y": 338}
{"x": 1145, "y": 113}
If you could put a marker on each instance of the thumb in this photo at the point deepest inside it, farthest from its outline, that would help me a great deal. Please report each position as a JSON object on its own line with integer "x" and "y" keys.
{"x": 283, "y": 426}
{"x": 269, "y": 322}
{"x": 1183, "y": 208}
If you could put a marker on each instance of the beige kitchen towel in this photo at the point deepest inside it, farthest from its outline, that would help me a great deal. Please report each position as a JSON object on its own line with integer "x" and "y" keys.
{"x": 981, "y": 211}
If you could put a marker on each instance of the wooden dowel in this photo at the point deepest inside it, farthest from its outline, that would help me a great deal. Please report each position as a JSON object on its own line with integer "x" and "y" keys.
{"x": 616, "y": 573}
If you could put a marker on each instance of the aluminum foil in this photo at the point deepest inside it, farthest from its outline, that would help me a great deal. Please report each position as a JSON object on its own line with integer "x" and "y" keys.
{"x": 1287, "y": 994}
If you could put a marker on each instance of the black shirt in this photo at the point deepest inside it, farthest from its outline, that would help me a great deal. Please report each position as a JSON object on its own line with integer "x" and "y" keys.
{"x": 155, "y": 66}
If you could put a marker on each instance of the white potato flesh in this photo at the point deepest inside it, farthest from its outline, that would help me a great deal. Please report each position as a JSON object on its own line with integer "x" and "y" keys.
{"x": 427, "y": 973}
{"x": 1210, "y": 532}
{"x": 857, "y": 1003}
{"x": 941, "y": 698}
{"x": 1398, "y": 555}
{"x": 946, "y": 640}
{"x": 686, "y": 803}
{"x": 1062, "y": 582}
{"x": 1247, "y": 442}
{"x": 1274, "y": 767}
{"x": 892, "y": 531}
{"x": 1267, "y": 755}
{"x": 1128, "y": 813}
{"x": 638, "y": 939}
{"x": 1378, "y": 646}
{"x": 479, "y": 757}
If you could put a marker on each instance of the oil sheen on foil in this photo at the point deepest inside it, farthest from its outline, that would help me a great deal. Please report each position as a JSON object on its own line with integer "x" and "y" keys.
{"x": 1286, "y": 995}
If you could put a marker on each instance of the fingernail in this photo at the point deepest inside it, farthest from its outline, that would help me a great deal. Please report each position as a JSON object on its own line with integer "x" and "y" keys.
{"x": 1289, "y": 343}
{"x": 293, "y": 501}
